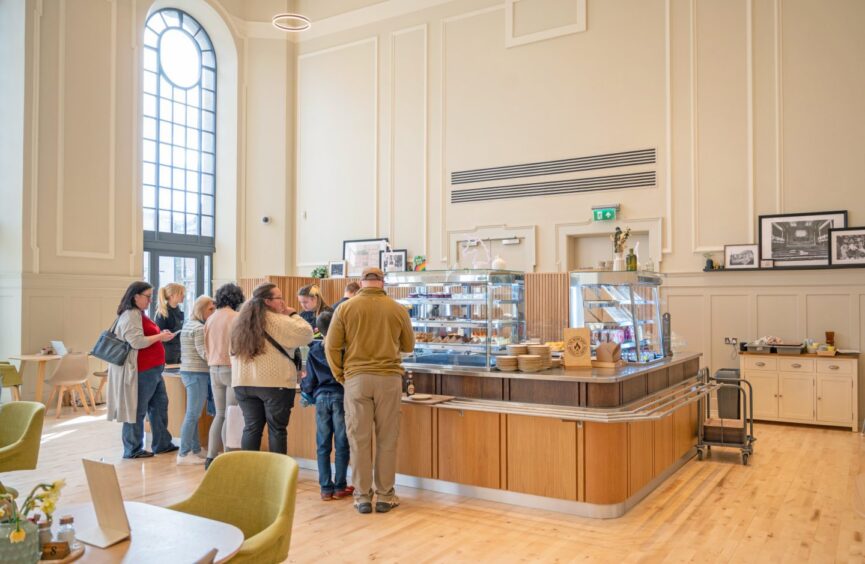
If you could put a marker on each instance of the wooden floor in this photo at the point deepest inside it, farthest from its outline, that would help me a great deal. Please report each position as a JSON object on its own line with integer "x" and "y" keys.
{"x": 794, "y": 503}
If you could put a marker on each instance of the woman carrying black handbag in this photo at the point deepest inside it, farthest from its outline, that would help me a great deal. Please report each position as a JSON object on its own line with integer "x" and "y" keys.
{"x": 136, "y": 388}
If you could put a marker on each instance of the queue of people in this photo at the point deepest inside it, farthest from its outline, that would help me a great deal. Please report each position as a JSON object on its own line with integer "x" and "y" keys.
{"x": 248, "y": 353}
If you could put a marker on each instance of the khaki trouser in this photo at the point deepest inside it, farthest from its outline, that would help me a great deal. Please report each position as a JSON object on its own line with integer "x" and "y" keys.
{"x": 372, "y": 403}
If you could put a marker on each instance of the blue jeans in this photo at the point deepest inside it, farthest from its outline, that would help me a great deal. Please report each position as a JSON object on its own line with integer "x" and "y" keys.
{"x": 330, "y": 427}
{"x": 196, "y": 384}
{"x": 153, "y": 402}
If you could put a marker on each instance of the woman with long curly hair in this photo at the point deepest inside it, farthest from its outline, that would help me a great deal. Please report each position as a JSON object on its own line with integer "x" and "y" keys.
{"x": 263, "y": 372}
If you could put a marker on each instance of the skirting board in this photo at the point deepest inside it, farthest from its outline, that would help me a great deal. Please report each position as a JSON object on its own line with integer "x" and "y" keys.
{"x": 579, "y": 508}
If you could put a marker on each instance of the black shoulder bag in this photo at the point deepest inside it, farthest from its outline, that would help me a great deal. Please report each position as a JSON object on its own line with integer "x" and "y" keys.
{"x": 296, "y": 358}
{"x": 111, "y": 348}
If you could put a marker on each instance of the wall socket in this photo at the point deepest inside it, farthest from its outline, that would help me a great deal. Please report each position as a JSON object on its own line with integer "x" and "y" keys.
{"x": 731, "y": 341}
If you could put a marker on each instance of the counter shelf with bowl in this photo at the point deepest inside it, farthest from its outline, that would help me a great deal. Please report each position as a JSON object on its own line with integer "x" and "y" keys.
{"x": 461, "y": 317}
{"x": 620, "y": 307}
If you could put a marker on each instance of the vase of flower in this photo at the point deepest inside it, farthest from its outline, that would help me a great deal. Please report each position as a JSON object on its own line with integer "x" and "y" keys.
{"x": 619, "y": 238}
{"x": 25, "y": 551}
{"x": 619, "y": 263}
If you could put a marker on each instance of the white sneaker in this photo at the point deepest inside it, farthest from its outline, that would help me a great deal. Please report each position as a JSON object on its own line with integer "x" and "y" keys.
{"x": 189, "y": 460}
{"x": 202, "y": 454}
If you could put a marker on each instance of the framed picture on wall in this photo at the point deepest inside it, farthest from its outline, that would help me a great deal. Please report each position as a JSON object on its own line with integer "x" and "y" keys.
{"x": 393, "y": 261}
{"x": 741, "y": 257}
{"x": 847, "y": 247}
{"x": 336, "y": 269}
{"x": 798, "y": 239}
{"x": 362, "y": 253}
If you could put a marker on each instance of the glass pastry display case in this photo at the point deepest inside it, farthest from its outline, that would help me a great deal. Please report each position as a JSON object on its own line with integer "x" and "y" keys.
{"x": 461, "y": 317}
{"x": 620, "y": 307}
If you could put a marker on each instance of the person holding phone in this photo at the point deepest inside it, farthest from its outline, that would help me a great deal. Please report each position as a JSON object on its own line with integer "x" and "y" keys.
{"x": 137, "y": 389}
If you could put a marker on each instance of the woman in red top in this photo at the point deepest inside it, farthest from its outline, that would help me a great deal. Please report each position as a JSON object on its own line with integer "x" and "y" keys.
{"x": 136, "y": 389}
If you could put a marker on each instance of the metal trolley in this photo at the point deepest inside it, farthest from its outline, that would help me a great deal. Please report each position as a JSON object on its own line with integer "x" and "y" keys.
{"x": 729, "y": 432}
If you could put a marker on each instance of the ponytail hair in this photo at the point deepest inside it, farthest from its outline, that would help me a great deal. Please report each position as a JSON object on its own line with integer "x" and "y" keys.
{"x": 313, "y": 291}
{"x": 172, "y": 289}
{"x": 247, "y": 331}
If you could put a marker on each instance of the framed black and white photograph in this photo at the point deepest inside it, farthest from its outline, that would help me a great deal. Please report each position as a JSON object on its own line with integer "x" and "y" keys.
{"x": 741, "y": 257}
{"x": 847, "y": 247}
{"x": 393, "y": 261}
{"x": 362, "y": 253}
{"x": 336, "y": 269}
{"x": 798, "y": 239}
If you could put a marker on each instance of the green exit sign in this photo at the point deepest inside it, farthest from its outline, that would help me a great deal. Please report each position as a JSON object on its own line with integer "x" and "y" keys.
{"x": 604, "y": 214}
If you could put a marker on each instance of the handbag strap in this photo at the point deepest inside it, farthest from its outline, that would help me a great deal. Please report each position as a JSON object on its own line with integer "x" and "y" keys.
{"x": 278, "y": 346}
{"x": 114, "y": 325}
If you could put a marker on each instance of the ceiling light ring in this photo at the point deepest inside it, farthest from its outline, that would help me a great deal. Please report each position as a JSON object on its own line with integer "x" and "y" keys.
{"x": 291, "y": 22}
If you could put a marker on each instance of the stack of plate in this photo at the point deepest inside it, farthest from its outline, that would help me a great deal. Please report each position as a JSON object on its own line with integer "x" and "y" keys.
{"x": 545, "y": 354}
{"x": 506, "y": 363}
{"x": 530, "y": 362}
{"x": 516, "y": 350}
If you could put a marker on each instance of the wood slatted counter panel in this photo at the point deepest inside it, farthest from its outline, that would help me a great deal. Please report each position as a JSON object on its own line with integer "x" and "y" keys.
{"x": 546, "y": 305}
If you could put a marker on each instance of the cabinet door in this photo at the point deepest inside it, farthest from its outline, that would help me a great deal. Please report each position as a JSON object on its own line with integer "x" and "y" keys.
{"x": 414, "y": 453}
{"x": 796, "y": 396}
{"x": 834, "y": 399}
{"x": 765, "y": 389}
{"x": 542, "y": 456}
{"x": 469, "y": 449}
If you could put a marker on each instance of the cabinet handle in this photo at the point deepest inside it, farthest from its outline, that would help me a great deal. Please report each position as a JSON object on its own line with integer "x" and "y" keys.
{"x": 776, "y": 395}
{"x": 760, "y": 364}
{"x": 796, "y": 365}
{"x": 834, "y": 367}
{"x": 819, "y": 398}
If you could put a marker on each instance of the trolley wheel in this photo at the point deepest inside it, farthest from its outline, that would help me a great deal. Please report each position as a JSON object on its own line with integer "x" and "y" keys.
{"x": 699, "y": 454}
{"x": 745, "y": 457}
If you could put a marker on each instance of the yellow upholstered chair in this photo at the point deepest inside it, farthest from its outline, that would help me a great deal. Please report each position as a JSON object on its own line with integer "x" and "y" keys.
{"x": 255, "y": 492}
{"x": 10, "y": 378}
{"x": 20, "y": 434}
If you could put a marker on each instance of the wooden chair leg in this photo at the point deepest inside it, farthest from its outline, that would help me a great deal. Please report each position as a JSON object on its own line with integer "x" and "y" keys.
{"x": 60, "y": 391}
{"x": 16, "y": 395}
{"x": 81, "y": 393}
{"x": 72, "y": 402}
{"x": 92, "y": 399}
{"x": 102, "y": 382}
{"x": 51, "y": 397}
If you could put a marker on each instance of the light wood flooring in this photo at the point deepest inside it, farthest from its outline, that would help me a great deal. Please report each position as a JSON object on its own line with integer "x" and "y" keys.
{"x": 794, "y": 503}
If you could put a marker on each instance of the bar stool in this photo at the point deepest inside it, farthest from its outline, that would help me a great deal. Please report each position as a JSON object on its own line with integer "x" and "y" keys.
{"x": 10, "y": 378}
{"x": 103, "y": 378}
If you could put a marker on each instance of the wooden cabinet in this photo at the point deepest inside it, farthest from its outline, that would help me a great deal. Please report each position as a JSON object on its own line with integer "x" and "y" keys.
{"x": 640, "y": 455}
{"x": 301, "y": 432}
{"x": 606, "y": 462}
{"x": 804, "y": 389}
{"x": 469, "y": 449}
{"x": 796, "y": 396}
{"x": 542, "y": 456}
{"x": 414, "y": 455}
{"x": 834, "y": 399}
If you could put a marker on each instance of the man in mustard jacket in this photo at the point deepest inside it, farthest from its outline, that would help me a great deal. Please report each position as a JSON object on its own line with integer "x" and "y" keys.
{"x": 367, "y": 335}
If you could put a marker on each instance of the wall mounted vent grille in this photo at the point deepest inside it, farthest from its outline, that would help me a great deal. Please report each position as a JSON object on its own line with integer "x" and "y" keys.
{"x": 551, "y": 188}
{"x": 578, "y": 164}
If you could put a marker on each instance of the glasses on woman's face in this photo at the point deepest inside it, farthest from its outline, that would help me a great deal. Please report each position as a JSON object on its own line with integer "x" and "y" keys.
{"x": 274, "y": 298}
{"x": 147, "y": 297}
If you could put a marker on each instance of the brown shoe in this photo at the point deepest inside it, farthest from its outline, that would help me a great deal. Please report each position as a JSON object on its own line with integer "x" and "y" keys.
{"x": 326, "y": 496}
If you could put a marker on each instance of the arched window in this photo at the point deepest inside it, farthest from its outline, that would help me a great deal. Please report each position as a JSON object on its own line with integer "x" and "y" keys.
{"x": 179, "y": 152}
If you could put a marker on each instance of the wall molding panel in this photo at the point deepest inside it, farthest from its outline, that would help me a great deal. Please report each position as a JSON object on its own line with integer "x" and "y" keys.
{"x": 34, "y": 135}
{"x": 512, "y": 40}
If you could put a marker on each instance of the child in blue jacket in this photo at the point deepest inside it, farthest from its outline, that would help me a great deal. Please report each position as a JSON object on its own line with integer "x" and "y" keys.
{"x": 320, "y": 384}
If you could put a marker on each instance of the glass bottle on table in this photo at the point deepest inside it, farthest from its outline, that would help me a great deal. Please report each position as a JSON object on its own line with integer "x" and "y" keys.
{"x": 631, "y": 261}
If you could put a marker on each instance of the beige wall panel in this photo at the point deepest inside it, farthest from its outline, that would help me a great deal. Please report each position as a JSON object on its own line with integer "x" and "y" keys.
{"x": 721, "y": 92}
{"x": 532, "y": 16}
{"x": 822, "y": 105}
{"x": 778, "y": 316}
{"x": 731, "y": 317}
{"x": 81, "y": 322}
{"x": 46, "y": 320}
{"x": 861, "y": 347}
{"x": 10, "y": 329}
{"x": 85, "y": 185}
{"x": 826, "y": 312}
{"x": 337, "y": 153}
{"x": 510, "y": 106}
{"x": 766, "y": 146}
{"x": 408, "y": 149}
{"x": 267, "y": 168}
{"x": 688, "y": 321}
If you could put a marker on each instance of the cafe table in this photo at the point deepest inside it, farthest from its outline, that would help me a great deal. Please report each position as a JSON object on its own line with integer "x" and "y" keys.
{"x": 42, "y": 361}
{"x": 159, "y": 535}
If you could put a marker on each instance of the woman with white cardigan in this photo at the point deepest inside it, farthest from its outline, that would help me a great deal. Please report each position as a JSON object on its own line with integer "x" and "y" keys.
{"x": 263, "y": 374}
{"x": 136, "y": 389}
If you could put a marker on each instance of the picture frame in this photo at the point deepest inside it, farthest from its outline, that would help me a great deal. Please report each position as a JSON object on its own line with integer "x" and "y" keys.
{"x": 395, "y": 260}
{"x": 767, "y": 264}
{"x": 362, "y": 253}
{"x": 336, "y": 269}
{"x": 798, "y": 239}
{"x": 742, "y": 257}
{"x": 847, "y": 247}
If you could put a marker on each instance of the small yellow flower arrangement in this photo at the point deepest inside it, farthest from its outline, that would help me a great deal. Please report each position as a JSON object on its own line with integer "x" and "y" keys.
{"x": 43, "y": 497}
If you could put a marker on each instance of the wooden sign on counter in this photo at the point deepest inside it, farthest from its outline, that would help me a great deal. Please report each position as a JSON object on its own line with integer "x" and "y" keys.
{"x": 578, "y": 349}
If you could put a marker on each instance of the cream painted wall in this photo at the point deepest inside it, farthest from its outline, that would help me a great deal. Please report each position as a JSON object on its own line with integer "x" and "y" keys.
{"x": 753, "y": 106}
{"x": 77, "y": 145}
